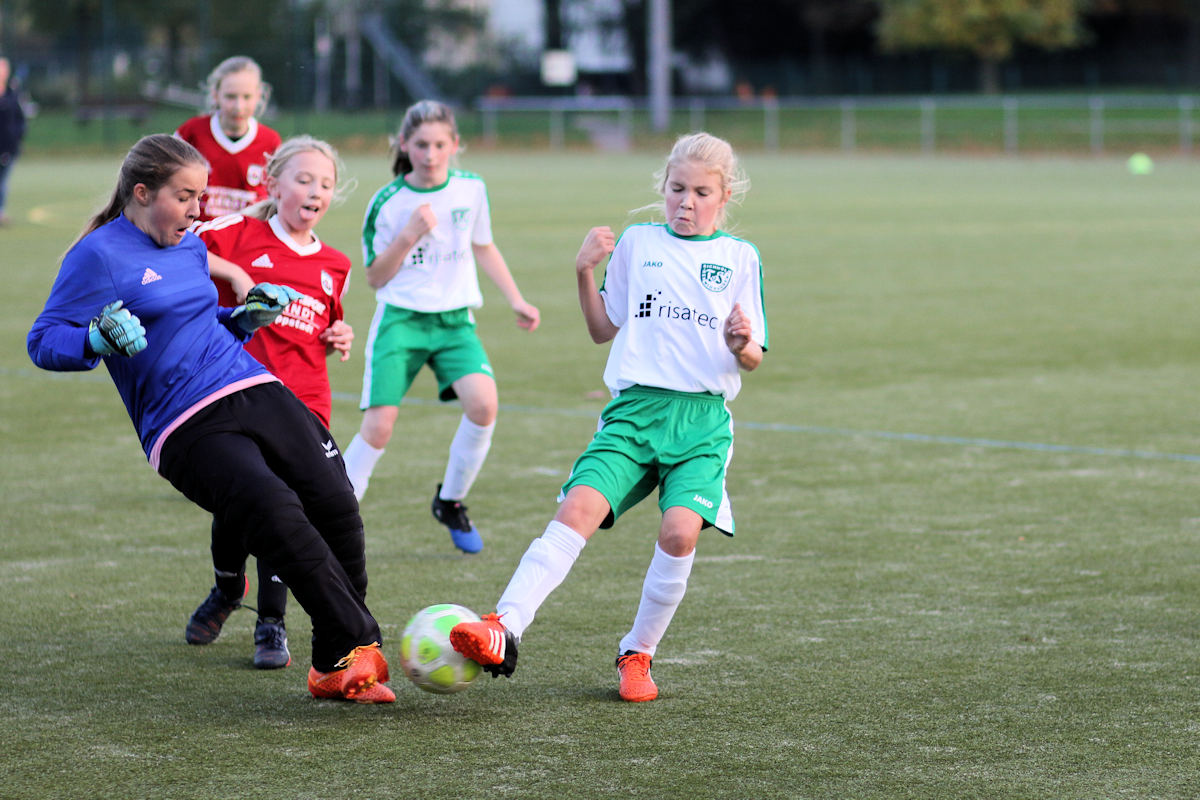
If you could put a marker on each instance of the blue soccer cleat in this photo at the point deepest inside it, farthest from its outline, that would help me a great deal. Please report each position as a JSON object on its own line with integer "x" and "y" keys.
{"x": 453, "y": 515}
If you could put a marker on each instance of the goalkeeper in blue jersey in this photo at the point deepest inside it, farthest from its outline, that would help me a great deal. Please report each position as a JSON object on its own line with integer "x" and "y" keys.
{"x": 134, "y": 292}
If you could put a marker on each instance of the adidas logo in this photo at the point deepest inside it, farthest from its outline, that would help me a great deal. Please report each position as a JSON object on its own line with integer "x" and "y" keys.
{"x": 262, "y": 261}
{"x": 496, "y": 642}
{"x": 150, "y": 276}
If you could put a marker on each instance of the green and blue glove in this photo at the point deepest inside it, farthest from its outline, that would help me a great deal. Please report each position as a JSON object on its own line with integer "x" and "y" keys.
{"x": 116, "y": 331}
{"x": 264, "y": 303}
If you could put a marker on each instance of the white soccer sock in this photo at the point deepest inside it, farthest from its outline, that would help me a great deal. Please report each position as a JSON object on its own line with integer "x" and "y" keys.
{"x": 467, "y": 453}
{"x": 542, "y": 568}
{"x": 360, "y": 460}
{"x": 662, "y": 591}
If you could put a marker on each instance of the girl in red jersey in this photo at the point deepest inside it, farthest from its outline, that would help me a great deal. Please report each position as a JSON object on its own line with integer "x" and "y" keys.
{"x": 235, "y": 143}
{"x": 274, "y": 240}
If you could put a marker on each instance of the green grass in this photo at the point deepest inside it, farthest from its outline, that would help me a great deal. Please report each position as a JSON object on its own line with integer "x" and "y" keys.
{"x": 966, "y": 562}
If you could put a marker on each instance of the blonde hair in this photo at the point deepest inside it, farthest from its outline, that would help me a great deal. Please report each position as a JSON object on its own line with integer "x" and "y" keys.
{"x": 716, "y": 155}
{"x": 152, "y": 161}
{"x": 228, "y": 67}
{"x": 265, "y": 209}
{"x": 414, "y": 117}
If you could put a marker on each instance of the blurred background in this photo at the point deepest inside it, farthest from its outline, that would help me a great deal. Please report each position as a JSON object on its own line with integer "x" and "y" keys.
{"x": 926, "y": 75}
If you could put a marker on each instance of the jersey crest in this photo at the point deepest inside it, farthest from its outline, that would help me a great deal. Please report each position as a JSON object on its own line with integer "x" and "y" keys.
{"x": 715, "y": 277}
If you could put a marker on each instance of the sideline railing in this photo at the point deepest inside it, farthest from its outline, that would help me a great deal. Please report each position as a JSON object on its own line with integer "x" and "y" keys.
{"x": 1094, "y": 123}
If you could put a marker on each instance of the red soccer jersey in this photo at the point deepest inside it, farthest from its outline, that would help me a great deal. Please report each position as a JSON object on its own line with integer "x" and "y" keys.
{"x": 289, "y": 346}
{"x": 236, "y": 175}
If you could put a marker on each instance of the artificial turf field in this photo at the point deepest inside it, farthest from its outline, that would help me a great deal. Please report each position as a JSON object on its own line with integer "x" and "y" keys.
{"x": 966, "y": 484}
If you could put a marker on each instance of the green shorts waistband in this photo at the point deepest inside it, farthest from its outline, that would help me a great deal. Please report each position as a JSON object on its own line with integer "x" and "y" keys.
{"x": 639, "y": 389}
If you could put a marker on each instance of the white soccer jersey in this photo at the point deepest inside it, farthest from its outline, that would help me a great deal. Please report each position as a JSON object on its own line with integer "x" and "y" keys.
{"x": 439, "y": 272}
{"x": 670, "y": 296}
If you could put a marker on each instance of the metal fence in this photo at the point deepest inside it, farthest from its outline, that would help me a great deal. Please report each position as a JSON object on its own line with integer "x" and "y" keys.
{"x": 1009, "y": 124}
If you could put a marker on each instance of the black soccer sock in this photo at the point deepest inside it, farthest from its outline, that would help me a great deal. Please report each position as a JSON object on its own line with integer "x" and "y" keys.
{"x": 272, "y": 592}
{"x": 232, "y": 584}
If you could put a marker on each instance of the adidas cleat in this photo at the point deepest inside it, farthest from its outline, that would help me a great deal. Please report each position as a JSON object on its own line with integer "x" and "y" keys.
{"x": 488, "y": 643}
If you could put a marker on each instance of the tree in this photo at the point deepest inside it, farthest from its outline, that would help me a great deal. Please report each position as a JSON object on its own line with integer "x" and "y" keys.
{"x": 989, "y": 29}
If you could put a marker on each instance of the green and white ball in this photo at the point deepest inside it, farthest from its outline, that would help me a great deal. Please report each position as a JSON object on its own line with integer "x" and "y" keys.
{"x": 428, "y": 659}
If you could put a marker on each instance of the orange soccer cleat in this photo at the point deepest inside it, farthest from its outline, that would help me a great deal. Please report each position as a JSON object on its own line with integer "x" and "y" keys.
{"x": 355, "y": 677}
{"x": 636, "y": 684}
{"x": 488, "y": 643}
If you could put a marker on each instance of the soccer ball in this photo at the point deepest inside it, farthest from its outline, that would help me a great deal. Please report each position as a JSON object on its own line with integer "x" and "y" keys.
{"x": 428, "y": 658}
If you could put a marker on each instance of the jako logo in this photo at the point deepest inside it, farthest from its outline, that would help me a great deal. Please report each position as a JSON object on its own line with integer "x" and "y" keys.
{"x": 652, "y": 264}
{"x": 702, "y": 501}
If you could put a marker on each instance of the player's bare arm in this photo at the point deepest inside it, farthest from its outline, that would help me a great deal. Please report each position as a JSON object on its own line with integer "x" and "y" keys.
{"x": 738, "y": 339}
{"x": 491, "y": 261}
{"x": 223, "y": 269}
{"x": 597, "y": 245}
{"x": 388, "y": 263}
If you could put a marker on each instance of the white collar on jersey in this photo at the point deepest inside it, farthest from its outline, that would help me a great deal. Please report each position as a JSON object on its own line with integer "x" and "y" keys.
{"x": 228, "y": 144}
{"x": 286, "y": 238}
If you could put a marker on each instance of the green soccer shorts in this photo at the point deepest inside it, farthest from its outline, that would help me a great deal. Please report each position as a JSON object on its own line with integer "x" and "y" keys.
{"x": 402, "y": 341}
{"x": 680, "y": 442}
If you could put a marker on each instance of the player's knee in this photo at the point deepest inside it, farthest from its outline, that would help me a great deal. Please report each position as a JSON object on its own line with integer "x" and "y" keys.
{"x": 583, "y": 510}
{"x": 480, "y": 400}
{"x": 678, "y": 537}
{"x": 336, "y": 514}
{"x": 481, "y": 408}
{"x": 265, "y": 506}
{"x": 481, "y": 415}
{"x": 377, "y": 426}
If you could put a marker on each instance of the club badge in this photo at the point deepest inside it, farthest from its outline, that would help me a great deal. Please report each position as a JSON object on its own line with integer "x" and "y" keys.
{"x": 715, "y": 277}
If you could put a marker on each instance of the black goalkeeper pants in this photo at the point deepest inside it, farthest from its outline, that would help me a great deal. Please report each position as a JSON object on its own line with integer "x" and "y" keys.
{"x": 271, "y": 475}
{"x": 229, "y": 555}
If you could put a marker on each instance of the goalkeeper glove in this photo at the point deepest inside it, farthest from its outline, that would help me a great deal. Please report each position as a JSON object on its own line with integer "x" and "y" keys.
{"x": 264, "y": 303}
{"x": 116, "y": 331}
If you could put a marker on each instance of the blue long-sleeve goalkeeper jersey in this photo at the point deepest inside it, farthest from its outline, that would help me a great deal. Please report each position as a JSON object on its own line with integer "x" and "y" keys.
{"x": 192, "y": 351}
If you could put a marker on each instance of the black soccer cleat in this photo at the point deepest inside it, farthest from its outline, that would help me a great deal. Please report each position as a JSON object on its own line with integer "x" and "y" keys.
{"x": 271, "y": 644}
{"x": 205, "y": 625}
{"x": 453, "y": 514}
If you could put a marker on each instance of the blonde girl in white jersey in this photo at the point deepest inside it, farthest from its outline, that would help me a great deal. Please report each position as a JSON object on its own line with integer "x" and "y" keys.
{"x": 423, "y": 237}
{"x": 682, "y": 304}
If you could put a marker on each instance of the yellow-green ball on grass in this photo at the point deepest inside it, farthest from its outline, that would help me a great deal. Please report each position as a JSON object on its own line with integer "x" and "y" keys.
{"x": 1140, "y": 164}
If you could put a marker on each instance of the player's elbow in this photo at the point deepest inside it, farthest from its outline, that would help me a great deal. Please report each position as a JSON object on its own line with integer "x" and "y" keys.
{"x": 602, "y": 332}
{"x": 375, "y": 278}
